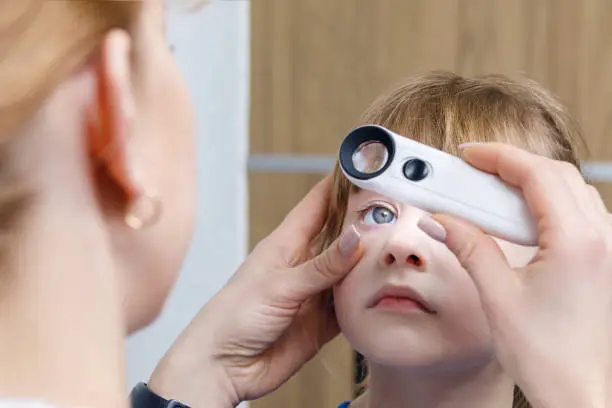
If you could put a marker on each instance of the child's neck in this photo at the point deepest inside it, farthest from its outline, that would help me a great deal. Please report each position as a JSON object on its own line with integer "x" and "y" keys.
{"x": 390, "y": 387}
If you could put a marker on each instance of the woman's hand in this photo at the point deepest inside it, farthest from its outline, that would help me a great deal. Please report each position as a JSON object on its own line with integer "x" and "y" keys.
{"x": 267, "y": 321}
{"x": 551, "y": 320}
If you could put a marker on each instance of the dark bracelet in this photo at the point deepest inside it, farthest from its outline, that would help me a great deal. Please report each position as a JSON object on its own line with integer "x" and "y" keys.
{"x": 142, "y": 397}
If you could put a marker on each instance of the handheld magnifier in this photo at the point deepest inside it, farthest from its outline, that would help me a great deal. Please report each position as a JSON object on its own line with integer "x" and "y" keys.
{"x": 375, "y": 158}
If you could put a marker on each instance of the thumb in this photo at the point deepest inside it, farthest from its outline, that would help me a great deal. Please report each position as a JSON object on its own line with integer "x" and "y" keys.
{"x": 329, "y": 267}
{"x": 479, "y": 254}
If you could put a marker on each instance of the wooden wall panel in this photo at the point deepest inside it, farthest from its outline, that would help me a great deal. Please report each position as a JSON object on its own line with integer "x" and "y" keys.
{"x": 271, "y": 197}
{"x": 317, "y": 64}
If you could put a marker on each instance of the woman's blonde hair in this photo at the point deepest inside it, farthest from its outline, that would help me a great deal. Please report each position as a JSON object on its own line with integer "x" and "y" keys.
{"x": 42, "y": 41}
{"x": 444, "y": 110}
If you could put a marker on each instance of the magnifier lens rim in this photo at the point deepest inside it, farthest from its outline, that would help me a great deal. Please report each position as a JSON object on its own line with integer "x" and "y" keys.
{"x": 355, "y": 139}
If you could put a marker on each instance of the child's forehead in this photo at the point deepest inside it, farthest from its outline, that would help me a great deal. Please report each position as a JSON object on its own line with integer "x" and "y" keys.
{"x": 363, "y": 194}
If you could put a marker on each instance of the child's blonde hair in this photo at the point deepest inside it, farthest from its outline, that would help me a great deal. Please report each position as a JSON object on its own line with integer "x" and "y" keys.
{"x": 444, "y": 110}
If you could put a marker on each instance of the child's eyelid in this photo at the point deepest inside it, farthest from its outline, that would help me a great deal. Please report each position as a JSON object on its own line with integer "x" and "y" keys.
{"x": 384, "y": 204}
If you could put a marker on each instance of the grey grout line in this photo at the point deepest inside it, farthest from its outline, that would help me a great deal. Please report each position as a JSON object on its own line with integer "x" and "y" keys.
{"x": 597, "y": 171}
{"x": 278, "y": 163}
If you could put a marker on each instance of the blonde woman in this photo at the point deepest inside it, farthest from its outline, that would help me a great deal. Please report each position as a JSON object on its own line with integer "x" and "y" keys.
{"x": 97, "y": 206}
{"x": 97, "y": 199}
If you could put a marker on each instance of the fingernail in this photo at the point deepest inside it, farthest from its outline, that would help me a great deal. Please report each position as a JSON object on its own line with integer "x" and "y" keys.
{"x": 464, "y": 146}
{"x": 349, "y": 241}
{"x": 432, "y": 228}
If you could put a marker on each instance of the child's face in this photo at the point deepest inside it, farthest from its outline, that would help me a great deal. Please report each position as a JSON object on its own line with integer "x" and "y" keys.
{"x": 449, "y": 331}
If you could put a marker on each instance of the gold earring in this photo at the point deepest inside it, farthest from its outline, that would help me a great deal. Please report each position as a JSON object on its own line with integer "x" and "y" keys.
{"x": 144, "y": 211}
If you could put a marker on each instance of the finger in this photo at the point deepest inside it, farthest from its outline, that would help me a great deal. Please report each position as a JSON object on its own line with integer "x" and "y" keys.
{"x": 595, "y": 209}
{"x": 597, "y": 200}
{"x": 543, "y": 185}
{"x": 327, "y": 268}
{"x": 587, "y": 197}
{"x": 306, "y": 219}
{"x": 480, "y": 255}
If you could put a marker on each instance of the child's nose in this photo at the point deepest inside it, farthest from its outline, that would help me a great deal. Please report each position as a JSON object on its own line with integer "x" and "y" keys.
{"x": 401, "y": 258}
{"x": 402, "y": 248}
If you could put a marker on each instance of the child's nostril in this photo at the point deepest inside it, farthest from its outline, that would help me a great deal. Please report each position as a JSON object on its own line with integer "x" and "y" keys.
{"x": 415, "y": 260}
{"x": 390, "y": 259}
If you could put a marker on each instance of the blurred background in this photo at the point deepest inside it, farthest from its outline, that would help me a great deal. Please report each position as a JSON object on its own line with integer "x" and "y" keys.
{"x": 277, "y": 85}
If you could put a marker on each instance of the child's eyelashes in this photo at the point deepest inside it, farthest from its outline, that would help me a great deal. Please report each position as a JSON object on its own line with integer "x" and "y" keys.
{"x": 377, "y": 214}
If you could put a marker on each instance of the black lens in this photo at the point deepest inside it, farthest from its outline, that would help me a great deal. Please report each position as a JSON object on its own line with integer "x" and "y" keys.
{"x": 416, "y": 170}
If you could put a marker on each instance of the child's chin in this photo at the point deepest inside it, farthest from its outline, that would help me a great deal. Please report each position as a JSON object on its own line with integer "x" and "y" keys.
{"x": 424, "y": 360}
{"x": 406, "y": 358}
{"x": 401, "y": 351}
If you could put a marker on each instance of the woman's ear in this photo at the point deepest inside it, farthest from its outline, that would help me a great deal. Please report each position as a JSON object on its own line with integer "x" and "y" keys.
{"x": 110, "y": 126}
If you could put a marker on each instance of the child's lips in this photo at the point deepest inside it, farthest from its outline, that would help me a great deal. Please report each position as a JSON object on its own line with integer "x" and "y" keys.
{"x": 398, "y": 304}
{"x": 400, "y": 297}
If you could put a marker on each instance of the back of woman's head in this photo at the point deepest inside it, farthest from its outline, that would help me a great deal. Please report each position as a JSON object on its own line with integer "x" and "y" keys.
{"x": 91, "y": 92}
{"x": 444, "y": 110}
{"x": 42, "y": 41}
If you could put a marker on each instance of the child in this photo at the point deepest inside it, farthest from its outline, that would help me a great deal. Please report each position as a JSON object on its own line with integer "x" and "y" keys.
{"x": 409, "y": 307}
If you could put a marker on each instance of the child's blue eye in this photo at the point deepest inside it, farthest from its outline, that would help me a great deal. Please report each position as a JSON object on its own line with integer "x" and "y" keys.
{"x": 378, "y": 215}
